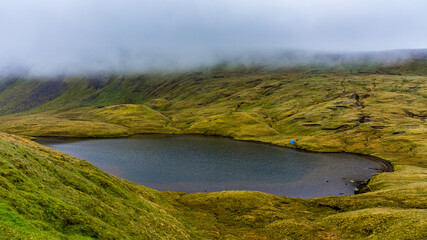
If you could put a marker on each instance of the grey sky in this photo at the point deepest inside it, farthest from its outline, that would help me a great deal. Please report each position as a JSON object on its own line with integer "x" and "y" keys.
{"x": 79, "y": 35}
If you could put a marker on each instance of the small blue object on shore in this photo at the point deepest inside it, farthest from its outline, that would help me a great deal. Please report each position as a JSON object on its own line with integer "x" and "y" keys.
{"x": 292, "y": 142}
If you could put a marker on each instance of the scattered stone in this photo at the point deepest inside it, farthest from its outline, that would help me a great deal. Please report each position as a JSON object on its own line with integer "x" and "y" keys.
{"x": 311, "y": 124}
{"x": 378, "y": 127}
{"x": 355, "y": 96}
{"x": 399, "y": 132}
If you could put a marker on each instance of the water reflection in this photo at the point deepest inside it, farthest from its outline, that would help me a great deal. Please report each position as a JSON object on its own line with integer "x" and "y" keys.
{"x": 206, "y": 164}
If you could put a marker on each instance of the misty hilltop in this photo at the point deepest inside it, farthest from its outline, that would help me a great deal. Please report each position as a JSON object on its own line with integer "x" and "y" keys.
{"x": 282, "y": 60}
{"x": 21, "y": 91}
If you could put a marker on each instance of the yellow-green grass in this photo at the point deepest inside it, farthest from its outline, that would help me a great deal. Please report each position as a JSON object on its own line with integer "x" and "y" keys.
{"x": 378, "y": 115}
{"x": 49, "y": 124}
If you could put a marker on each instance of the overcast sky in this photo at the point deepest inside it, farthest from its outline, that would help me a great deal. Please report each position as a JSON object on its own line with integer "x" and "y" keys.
{"x": 79, "y": 35}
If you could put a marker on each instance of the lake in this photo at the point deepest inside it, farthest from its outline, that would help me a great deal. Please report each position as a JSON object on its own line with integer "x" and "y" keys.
{"x": 208, "y": 164}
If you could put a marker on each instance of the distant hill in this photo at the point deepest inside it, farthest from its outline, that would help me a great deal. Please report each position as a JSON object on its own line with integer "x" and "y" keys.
{"x": 20, "y": 93}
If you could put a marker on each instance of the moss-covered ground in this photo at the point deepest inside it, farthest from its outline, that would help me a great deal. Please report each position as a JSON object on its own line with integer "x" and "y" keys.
{"x": 46, "y": 194}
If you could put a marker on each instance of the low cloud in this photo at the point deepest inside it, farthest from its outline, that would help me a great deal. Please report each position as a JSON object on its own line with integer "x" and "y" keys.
{"x": 73, "y": 36}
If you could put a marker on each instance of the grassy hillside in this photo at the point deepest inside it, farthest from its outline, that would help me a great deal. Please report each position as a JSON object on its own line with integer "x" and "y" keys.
{"x": 47, "y": 194}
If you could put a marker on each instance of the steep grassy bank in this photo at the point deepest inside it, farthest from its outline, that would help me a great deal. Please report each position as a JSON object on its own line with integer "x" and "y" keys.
{"x": 377, "y": 114}
{"x": 47, "y": 194}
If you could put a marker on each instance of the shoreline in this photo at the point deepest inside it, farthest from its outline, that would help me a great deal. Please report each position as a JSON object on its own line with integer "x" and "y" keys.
{"x": 359, "y": 188}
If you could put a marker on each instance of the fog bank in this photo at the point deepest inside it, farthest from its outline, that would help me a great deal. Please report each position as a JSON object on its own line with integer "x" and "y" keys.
{"x": 73, "y": 36}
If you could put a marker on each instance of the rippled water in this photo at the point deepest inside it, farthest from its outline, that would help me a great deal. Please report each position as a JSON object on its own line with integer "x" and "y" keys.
{"x": 207, "y": 164}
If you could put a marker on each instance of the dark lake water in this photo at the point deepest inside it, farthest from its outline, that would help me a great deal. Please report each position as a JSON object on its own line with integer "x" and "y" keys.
{"x": 208, "y": 164}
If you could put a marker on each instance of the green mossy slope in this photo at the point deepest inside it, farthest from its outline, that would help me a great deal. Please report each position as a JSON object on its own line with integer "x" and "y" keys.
{"x": 47, "y": 194}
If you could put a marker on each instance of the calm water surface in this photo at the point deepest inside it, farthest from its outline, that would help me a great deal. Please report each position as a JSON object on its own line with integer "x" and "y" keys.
{"x": 208, "y": 164}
